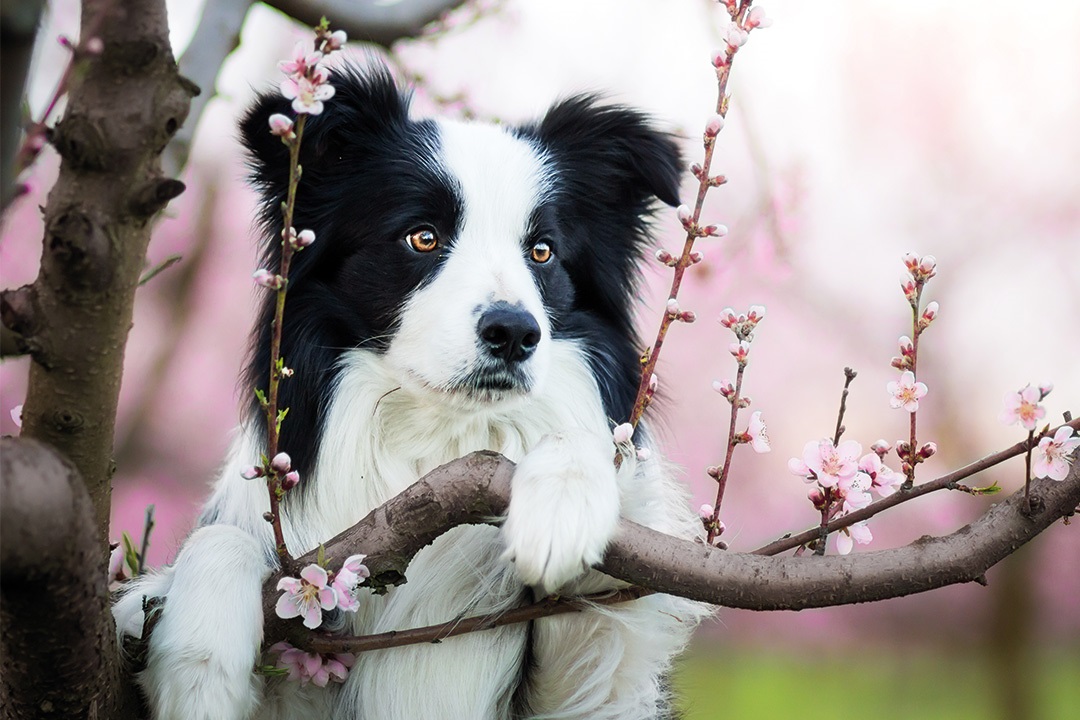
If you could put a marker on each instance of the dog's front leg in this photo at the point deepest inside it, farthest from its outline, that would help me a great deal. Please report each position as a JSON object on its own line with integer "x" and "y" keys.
{"x": 564, "y": 508}
{"x": 204, "y": 648}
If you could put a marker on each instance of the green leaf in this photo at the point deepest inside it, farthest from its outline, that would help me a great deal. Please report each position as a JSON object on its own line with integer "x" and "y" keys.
{"x": 131, "y": 555}
{"x": 321, "y": 559}
{"x": 261, "y": 396}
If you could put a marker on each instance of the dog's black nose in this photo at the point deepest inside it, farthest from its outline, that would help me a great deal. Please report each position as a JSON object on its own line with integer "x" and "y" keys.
{"x": 508, "y": 332}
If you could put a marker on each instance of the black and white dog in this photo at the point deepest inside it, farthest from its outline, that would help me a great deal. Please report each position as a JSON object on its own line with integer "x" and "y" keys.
{"x": 471, "y": 287}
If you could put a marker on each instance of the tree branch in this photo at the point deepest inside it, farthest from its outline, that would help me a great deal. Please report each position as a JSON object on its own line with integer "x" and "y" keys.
{"x": 60, "y": 656}
{"x": 475, "y": 489}
{"x": 368, "y": 20}
{"x": 75, "y": 317}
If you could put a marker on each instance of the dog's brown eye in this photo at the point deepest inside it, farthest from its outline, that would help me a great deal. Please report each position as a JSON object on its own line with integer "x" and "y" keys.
{"x": 541, "y": 252}
{"x": 423, "y": 240}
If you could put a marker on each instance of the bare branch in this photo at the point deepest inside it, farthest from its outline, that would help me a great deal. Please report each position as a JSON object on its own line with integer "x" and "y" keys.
{"x": 368, "y": 20}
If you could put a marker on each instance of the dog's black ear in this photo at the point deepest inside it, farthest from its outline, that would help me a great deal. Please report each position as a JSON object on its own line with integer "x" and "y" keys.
{"x": 614, "y": 151}
{"x": 366, "y": 102}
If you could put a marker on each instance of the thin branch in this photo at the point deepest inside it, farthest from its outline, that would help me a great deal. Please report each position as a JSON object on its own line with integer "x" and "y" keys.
{"x": 374, "y": 21}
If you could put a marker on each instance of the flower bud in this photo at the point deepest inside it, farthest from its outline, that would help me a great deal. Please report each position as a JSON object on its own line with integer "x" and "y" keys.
{"x": 252, "y": 472}
{"x": 303, "y": 239}
{"x": 665, "y": 257}
{"x": 268, "y": 517}
{"x": 816, "y": 496}
{"x": 696, "y": 256}
{"x": 265, "y": 278}
{"x": 714, "y": 125}
{"x": 281, "y": 125}
{"x": 622, "y": 433}
{"x": 695, "y": 170}
{"x": 881, "y": 448}
{"x": 643, "y": 454}
{"x": 719, "y": 58}
{"x": 672, "y": 307}
{"x": 291, "y": 480}
{"x": 713, "y": 471}
{"x": 927, "y": 450}
{"x": 686, "y": 316}
{"x": 1044, "y": 389}
{"x": 706, "y": 512}
{"x": 757, "y": 19}
{"x": 281, "y": 463}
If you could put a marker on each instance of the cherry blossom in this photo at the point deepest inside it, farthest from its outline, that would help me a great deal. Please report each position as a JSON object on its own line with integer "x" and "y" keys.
{"x": 265, "y": 278}
{"x": 302, "y": 63}
{"x": 290, "y": 480}
{"x": 885, "y": 481}
{"x": 352, "y": 573}
{"x": 757, "y": 434}
{"x": 740, "y": 350}
{"x": 714, "y": 125}
{"x": 281, "y": 463}
{"x": 335, "y": 41}
{"x": 757, "y": 19}
{"x": 305, "y": 667}
{"x": 1051, "y": 457}
{"x": 307, "y": 596}
{"x": 252, "y": 472}
{"x": 735, "y": 36}
{"x": 856, "y": 533}
{"x": 622, "y": 433}
{"x": 281, "y": 126}
{"x": 906, "y": 392}
{"x": 1024, "y": 407}
{"x": 307, "y": 95}
{"x": 855, "y": 492}
{"x": 829, "y": 463}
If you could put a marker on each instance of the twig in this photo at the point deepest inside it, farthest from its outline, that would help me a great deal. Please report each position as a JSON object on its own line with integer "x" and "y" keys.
{"x": 714, "y": 524}
{"x": 944, "y": 482}
{"x": 148, "y": 526}
{"x": 159, "y": 268}
{"x": 849, "y": 375}
{"x": 547, "y": 607}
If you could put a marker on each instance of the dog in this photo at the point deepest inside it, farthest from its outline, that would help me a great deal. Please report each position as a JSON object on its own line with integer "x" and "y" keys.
{"x": 471, "y": 287}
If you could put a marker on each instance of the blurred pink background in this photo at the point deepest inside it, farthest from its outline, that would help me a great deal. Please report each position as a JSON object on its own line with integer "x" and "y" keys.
{"x": 859, "y": 130}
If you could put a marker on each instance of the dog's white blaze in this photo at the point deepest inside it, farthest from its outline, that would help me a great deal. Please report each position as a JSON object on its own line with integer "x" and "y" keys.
{"x": 501, "y": 180}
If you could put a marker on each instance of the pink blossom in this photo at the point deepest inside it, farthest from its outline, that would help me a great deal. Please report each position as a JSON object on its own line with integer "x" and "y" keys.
{"x": 831, "y": 464}
{"x": 265, "y": 278}
{"x": 756, "y": 18}
{"x": 696, "y": 256}
{"x": 291, "y": 480}
{"x": 685, "y": 217}
{"x": 927, "y": 450}
{"x": 816, "y": 496}
{"x": 907, "y": 348}
{"x": 715, "y": 230}
{"x": 302, "y": 63}
{"x": 281, "y": 126}
{"x": 714, "y": 125}
{"x": 281, "y": 463}
{"x": 643, "y": 454}
{"x": 929, "y": 314}
{"x": 724, "y": 387}
{"x": 1044, "y": 389}
{"x": 735, "y": 36}
{"x": 706, "y": 511}
{"x": 305, "y": 667}
{"x": 307, "y": 596}
{"x": 336, "y": 40}
{"x": 1023, "y": 406}
{"x": 928, "y": 265}
{"x": 740, "y": 350}
{"x": 728, "y": 317}
{"x": 884, "y": 479}
{"x": 119, "y": 570}
{"x": 797, "y": 467}
{"x": 910, "y": 291}
{"x": 855, "y": 491}
{"x": 1051, "y": 457}
{"x": 665, "y": 257}
{"x": 906, "y": 392}
{"x": 622, "y": 433}
{"x": 719, "y": 58}
{"x": 307, "y": 95}
{"x": 352, "y": 573}
{"x": 255, "y": 471}
{"x": 672, "y": 306}
{"x": 858, "y": 532}
{"x": 758, "y": 434}
{"x": 882, "y": 448}
{"x": 756, "y": 313}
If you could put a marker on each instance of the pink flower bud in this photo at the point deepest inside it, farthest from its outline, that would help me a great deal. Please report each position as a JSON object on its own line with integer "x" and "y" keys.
{"x": 672, "y": 307}
{"x": 643, "y": 454}
{"x": 291, "y": 480}
{"x": 696, "y": 171}
{"x": 881, "y": 448}
{"x": 929, "y": 314}
{"x": 756, "y": 313}
{"x": 252, "y": 472}
{"x": 622, "y": 433}
{"x": 910, "y": 291}
{"x": 281, "y": 463}
{"x": 744, "y": 401}
{"x": 735, "y": 36}
{"x": 686, "y": 316}
{"x": 281, "y": 125}
{"x": 267, "y": 279}
{"x": 740, "y": 350}
{"x": 906, "y": 347}
{"x": 706, "y": 511}
{"x": 816, "y": 496}
{"x": 336, "y": 40}
{"x": 714, "y": 125}
{"x": 927, "y": 450}
{"x": 728, "y": 317}
{"x": 683, "y": 213}
{"x": 286, "y": 372}
{"x": 713, "y": 471}
{"x": 303, "y": 239}
{"x": 654, "y": 382}
{"x": 757, "y": 19}
{"x": 724, "y": 387}
{"x": 715, "y": 230}
{"x": 719, "y": 58}
{"x": 665, "y": 257}
{"x": 911, "y": 261}
{"x": 696, "y": 257}
{"x": 927, "y": 265}
{"x": 1044, "y": 389}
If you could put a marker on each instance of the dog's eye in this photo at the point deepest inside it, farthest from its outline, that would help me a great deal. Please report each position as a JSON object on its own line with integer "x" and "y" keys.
{"x": 541, "y": 252}
{"x": 423, "y": 240}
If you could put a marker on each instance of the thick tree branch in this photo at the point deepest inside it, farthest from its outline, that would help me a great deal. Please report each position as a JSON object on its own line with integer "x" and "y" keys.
{"x": 475, "y": 489}
{"x": 59, "y": 648}
{"x": 75, "y": 317}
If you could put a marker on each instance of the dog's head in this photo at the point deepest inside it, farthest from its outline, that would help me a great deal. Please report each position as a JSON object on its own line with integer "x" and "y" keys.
{"x": 459, "y": 251}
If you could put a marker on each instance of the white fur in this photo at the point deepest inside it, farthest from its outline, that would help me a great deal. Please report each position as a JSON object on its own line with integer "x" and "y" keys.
{"x": 394, "y": 417}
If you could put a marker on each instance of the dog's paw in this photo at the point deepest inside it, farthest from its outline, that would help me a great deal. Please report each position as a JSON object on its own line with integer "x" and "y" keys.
{"x": 564, "y": 508}
{"x": 204, "y": 647}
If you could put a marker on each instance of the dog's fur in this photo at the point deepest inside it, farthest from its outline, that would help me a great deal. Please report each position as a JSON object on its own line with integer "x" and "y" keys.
{"x": 396, "y": 372}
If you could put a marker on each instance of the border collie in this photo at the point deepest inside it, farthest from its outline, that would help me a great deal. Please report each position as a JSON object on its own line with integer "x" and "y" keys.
{"x": 471, "y": 287}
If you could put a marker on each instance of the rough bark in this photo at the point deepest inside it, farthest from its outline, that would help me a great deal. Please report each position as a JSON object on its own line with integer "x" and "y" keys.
{"x": 59, "y": 648}
{"x": 74, "y": 319}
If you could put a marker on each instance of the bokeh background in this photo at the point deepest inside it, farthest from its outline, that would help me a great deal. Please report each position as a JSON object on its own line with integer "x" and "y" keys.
{"x": 859, "y": 130}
